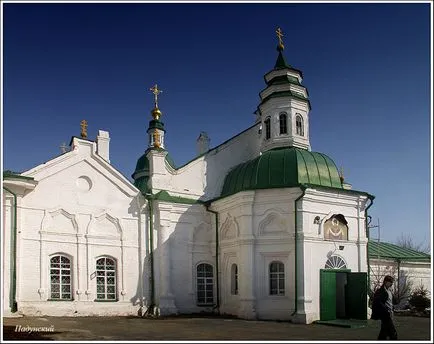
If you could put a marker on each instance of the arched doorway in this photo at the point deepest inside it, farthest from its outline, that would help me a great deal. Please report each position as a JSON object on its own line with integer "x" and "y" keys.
{"x": 343, "y": 294}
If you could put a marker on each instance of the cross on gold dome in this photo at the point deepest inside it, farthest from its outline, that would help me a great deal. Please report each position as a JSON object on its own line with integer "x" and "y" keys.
{"x": 83, "y": 125}
{"x": 279, "y": 34}
{"x": 156, "y": 92}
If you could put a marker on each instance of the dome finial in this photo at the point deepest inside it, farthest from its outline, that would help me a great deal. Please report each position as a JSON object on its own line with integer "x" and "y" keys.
{"x": 279, "y": 34}
{"x": 280, "y": 63}
{"x": 156, "y": 113}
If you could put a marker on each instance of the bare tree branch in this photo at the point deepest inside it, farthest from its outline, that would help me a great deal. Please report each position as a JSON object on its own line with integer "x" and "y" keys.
{"x": 406, "y": 241}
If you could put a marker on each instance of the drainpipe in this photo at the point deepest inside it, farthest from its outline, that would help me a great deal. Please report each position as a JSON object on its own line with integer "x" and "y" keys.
{"x": 150, "y": 198}
{"x": 303, "y": 189}
{"x": 371, "y": 198}
{"x": 13, "y": 290}
{"x": 216, "y": 256}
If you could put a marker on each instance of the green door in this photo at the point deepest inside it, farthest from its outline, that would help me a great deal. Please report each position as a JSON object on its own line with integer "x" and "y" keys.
{"x": 327, "y": 295}
{"x": 356, "y": 295}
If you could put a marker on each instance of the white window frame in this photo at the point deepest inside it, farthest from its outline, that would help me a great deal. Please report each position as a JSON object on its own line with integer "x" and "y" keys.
{"x": 105, "y": 274}
{"x": 278, "y": 275}
{"x": 234, "y": 279}
{"x": 299, "y": 129}
{"x": 64, "y": 270}
{"x": 208, "y": 284}
{"x": 285, "y": 116}
{"x": 267, "y": 124}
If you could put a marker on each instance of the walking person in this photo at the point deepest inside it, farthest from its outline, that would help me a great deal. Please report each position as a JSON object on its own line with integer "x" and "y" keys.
{"x": 382, "y": 309}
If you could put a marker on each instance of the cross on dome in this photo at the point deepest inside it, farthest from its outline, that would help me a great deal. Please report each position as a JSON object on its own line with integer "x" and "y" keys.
{"x": 156, "y": 92}
{"x": 279, "y": 34}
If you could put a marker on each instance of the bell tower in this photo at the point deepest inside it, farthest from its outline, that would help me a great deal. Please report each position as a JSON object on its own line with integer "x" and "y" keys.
{"x": 284, "y": 107}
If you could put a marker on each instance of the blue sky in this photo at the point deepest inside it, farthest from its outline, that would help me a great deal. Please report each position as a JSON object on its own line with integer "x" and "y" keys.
{"x": 366, "y": 67}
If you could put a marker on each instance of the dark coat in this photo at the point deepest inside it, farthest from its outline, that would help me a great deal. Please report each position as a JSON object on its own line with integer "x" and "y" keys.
{"x": 379, "y": 308}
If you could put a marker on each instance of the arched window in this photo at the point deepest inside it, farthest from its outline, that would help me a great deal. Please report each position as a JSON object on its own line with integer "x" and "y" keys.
{"x": 299, "y": 125}
{"x": 60, "y": 278}
{"x": 335, "y": 262}
{"x": 283, "y": 124}
{"x": 277, "y": 278}
{"x": 267, "y": 128}
{"x": 205, "y": 285}
{"x": 234, "y": 279}
{"x": 106, "y": 279}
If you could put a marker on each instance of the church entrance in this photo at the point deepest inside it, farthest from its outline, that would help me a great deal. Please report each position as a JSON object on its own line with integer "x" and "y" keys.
{"x": 343, "y": 294}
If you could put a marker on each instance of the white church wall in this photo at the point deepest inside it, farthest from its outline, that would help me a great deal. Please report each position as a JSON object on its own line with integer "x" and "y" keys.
{"x": 230, "y": 231}
{"x": 418, "y": 273}
{"x": 273, "y": 223}
{"x": 205, "y": 175}
{"x": 278, "y": 307}
{"x": 316, "y": 250}
{"x": 230, "y": 298}
{"x": 270, "y": 225}
{"x": 191, "y": 241}
{"x": 84, "y": 209}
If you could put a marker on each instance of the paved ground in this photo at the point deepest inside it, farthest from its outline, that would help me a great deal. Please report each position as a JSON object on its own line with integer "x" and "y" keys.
{"x": 199, "y": 328}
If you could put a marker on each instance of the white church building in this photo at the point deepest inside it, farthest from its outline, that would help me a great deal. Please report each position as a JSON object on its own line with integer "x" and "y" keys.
{"x": 259, "y": 227}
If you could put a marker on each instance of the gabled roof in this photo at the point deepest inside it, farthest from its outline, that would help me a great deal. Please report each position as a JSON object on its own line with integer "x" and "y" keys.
{"x": 386, "y": 250}
{"x": 89, "y": 156}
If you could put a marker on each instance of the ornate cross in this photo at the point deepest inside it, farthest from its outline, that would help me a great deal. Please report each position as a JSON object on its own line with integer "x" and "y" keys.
{"x": 83, "y": 125}
{"x": 279, "y": 37}
{"x": 156, "y": 92}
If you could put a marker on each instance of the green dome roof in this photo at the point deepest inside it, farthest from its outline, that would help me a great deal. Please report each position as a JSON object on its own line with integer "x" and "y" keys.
{"x": 284, "y": 167}
{"x": 141, "y": 180}
{"x": 142, "y": 165}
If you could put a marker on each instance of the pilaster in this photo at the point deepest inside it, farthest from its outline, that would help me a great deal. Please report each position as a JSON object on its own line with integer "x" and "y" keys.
{"x": 166, "y": 303}
{"x": 246, "y": 241}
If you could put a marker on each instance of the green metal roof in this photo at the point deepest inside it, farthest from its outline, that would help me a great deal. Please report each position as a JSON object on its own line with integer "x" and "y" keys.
{"x": 141, "y": 183}
{"x": 386, "y": 250}
{"x": 143, "y": 166}
{"x": 284, "y": 79}
{"x": 280, "y": 62}
{"x": 293, "y": 94}
{"x": 282, "y": 167}
{"x": 156, "y": 124}
{"x": 170, "y": 161}
{"x": 163, "y": 195}
{"x": 10, "y": 174}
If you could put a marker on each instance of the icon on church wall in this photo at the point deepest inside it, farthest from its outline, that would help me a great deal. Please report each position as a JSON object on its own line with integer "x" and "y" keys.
{"x": 336, "y": 228}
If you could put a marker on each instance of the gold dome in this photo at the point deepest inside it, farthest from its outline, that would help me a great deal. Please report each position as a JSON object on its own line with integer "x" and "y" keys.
{"x": 156, "y": 113}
